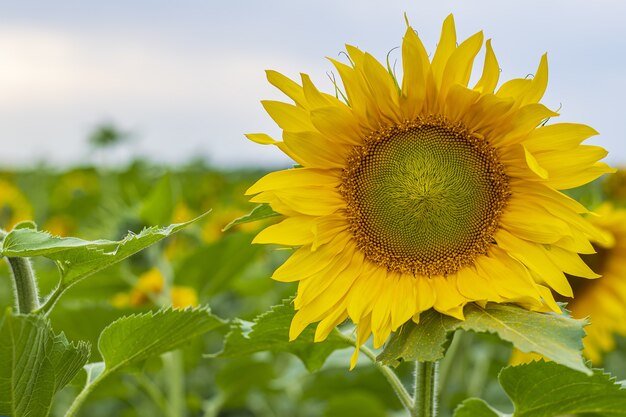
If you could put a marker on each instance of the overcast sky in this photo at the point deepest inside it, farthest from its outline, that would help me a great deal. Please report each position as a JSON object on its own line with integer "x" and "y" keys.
{"x": 186, "y": 77}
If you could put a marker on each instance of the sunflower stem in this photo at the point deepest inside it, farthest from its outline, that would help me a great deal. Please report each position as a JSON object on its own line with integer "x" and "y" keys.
{"x": 25, "y": 283}
{"x": 392, "y": 378}
{"x": 425, "y": 402}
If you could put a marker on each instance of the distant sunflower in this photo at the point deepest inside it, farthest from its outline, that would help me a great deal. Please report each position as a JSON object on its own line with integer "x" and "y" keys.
{"x": 425, "y": 194}
{"x": 603, "y": 300}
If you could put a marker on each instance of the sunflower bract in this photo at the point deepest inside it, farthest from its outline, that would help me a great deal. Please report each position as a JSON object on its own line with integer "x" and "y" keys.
{"x": 425, "y": 193}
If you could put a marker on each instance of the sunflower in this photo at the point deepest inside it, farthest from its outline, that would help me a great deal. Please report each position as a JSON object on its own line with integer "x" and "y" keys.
{"x": 603, "y": 300}
{"x": 424, "y": 193}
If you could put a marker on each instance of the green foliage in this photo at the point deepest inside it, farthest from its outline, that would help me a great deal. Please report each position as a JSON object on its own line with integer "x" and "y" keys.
{"x": 547, "y": 389}
{"x": 158, "y": 206}
{"x": 260, "y": 212}
{"x": 270, "y": 332}
{"x": 556, "y": 337}
{"x": 36, "y": 364}
{"x": 475, "y": 407}
{"x": 78, "y": 258}
{"x": 132, "y": 339}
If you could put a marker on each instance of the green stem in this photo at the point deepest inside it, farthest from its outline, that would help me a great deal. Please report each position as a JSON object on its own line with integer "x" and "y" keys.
{"x": 175, "y": 382}
{"x": 26, "y": 293}
{"x": 51, "y": 300}
{"x": 425, "y": 404}
{"x": 155, "y": 395}
{"x": 392, "y": 378}
{"x": 388, "y": 373}
{"x": 82, "y": 396}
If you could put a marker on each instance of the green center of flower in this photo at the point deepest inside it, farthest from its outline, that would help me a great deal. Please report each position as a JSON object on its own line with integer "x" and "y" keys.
{"x": 425, "y": 197}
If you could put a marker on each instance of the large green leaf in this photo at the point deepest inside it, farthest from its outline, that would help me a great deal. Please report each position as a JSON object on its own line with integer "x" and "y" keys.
{"x": 270, "y": 332}
{"x": 135, "y": 338}
{"x": 554, "y": 336}
{"x": 36, "y": 364}
{"x": 547, "y": 389}
{"x": 78, "y": 258}
{"x": 475, "y": 407}
{"x": 260, "y": 212}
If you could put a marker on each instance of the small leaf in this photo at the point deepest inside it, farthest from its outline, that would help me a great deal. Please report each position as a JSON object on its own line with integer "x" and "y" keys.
{"x": 260, "y": 212}
{"x": 475, "y": 407}
{"x": 554, "y": 336}
{"x": 36, "y": 364}
{"x": 547, "y": 389}
{"x": 270, "y": 331}
{"x": 78, "y": 258}
{"x": 138, "y": 337}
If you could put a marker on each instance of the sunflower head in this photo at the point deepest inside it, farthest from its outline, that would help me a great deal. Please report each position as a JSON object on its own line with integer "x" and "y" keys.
{"x": 425, "y": 192}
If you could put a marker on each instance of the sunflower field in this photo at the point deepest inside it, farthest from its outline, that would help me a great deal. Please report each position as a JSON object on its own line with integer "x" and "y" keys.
{"x": 438, "y": 248}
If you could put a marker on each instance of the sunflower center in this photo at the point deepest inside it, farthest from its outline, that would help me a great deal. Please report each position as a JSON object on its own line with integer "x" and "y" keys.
{"x": 424, "y": 197}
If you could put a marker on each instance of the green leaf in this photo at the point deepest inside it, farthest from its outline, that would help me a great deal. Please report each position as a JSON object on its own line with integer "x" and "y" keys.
{"x": 78, "y": 258}
{"x": 158, "y": 206}
{"x": 36, "y": 364}
{"x": 135, "y": 338}
{"x": 260, "y": 212}
{"x": 475, "y": 407}
{"x": 270, "y": 331}
{"x": 554, "y": 336}
{"x": 547, "y": 389}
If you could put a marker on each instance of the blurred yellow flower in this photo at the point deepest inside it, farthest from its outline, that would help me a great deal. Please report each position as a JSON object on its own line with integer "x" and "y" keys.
{"x": 183, "y": 297}
{"x": 603, "y": 300}
{"x": 149, "y": 284}
{"x": 14, "y": 206}
{"x": 60, "y": 225}
{"x": 150, "y": 287}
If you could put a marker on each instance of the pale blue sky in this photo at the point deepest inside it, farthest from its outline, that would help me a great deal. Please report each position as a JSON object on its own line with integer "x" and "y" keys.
{"x": 187, "y": 76}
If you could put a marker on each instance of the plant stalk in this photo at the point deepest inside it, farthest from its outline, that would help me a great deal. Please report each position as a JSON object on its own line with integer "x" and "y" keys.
{"x": 26, "y": 294}
{"x": 426, "y": 387}
{"x": 82, "y": 396}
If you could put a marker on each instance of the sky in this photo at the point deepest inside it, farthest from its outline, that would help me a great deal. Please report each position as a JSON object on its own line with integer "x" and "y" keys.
{"x": 186, "y": 78}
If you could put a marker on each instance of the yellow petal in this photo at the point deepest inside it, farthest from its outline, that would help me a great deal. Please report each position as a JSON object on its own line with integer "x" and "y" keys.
{"x": 287, "y": 86}
{"x": 365, "y": 291}
{"x": 527, "y": 91}
{"x": 534, "y": 258}
{"x": 304, "y": 263}
{"x": 569, "y": 262}
{"x": 293, "y": 231}
{"x": 311, "y": 201}
{"x": 382, "y": 87}
{"x": 403, "y": 304}
{"x": 415, "y": 67}
{"x": 449, "y": 300}
{"x": 558, "y": 137}
{"x": 445, "y": 48}
{"x": 288, "y": 116}
{"x": 363, "y": 332}
{"x": 315, "y": 151}
{"x": 296, "y": 178}
{"x": 459, "y": 67}
{"x": 491, "y": 72}
{"x": 338, "y": 124}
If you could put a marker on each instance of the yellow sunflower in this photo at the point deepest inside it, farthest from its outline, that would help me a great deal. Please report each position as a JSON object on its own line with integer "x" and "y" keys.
{"x": 425, "y": 193}
{"x": 603, "y": 300}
